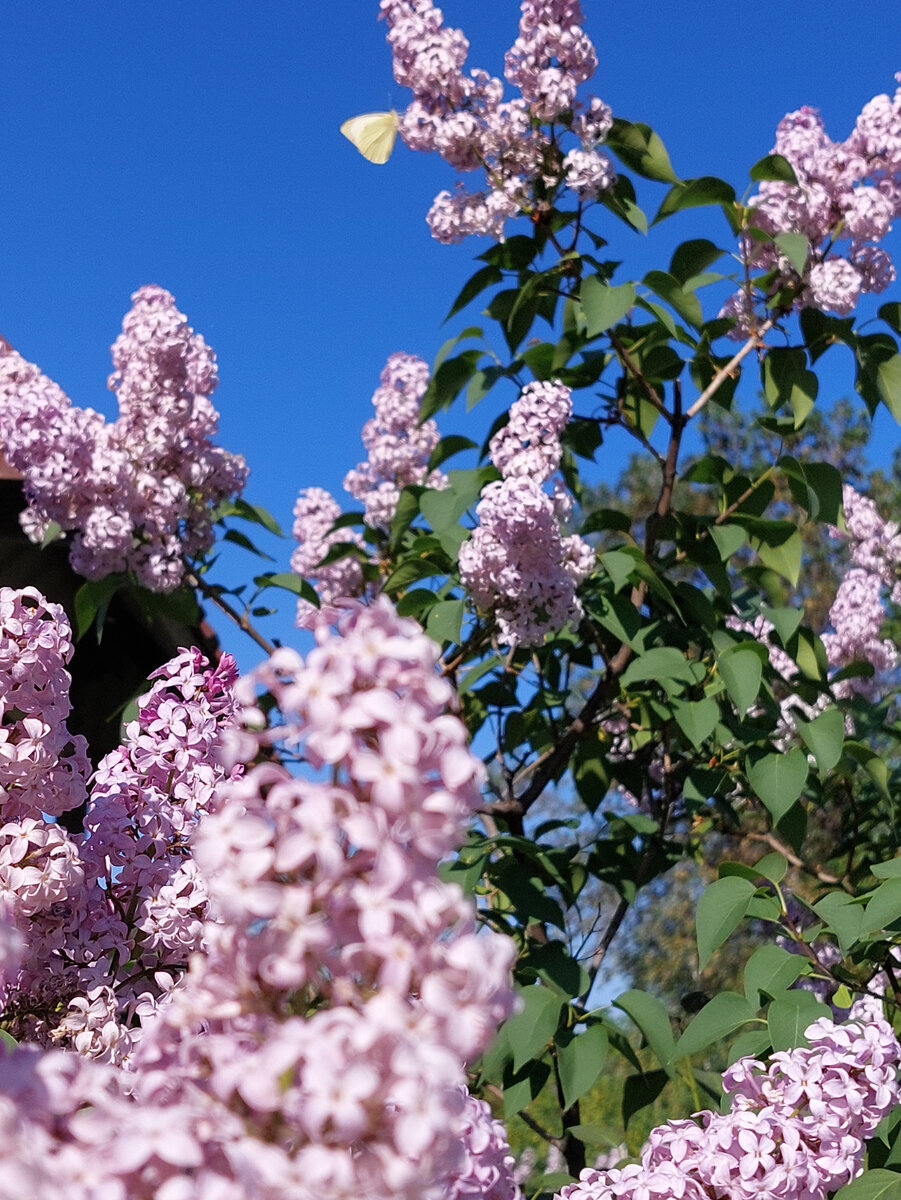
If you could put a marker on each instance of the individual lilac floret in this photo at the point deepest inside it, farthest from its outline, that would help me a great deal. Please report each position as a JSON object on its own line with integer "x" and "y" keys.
{"x": 796, "y": 1128}
{"x": 399, "y": 447}
{"x": 138, "y": 494}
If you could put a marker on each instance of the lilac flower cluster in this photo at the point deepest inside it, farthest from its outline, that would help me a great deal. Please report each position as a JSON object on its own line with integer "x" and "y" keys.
{"x": 126, "y": 891}
{"x": 847, "y": 196}
{"x": 398, "y": 447}
{"x": 517, "y": 565}
{"x": 315, "y": 1043}
{"x": 466, "y": 120}
{"x": 796, "y": 1128}
{"x": 43, "y": 767}
{"x": 137, "y": 494}
{"x": 858, "y": 611}
{"x": 315, "y": 513}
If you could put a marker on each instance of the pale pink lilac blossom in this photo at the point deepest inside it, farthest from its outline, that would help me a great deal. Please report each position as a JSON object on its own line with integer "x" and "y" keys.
{"x": 43, "y": 767}
{"x": 846, "y": 198}
{"x": 796, "y": 1128}
{"x": 137, "y": 494}
{"x": 314, "y": 1045}
{"x": 517, "y": 565}
{"x": 464, "y": 117}
{"x": 398, "y": 446}
{"x": 858, "y": 612}
{"x": 125, "y": 894}
{"x": 315, "y": 513}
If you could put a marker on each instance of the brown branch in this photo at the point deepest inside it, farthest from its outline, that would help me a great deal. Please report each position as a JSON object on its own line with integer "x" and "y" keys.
{"x": 634, "y": 370}
{"x": 609, "y": 934}
{"x": 813, "y": 869}
{"x": 211, "y": 594}
{"x": 529, "y": 1120}
{"x": 725, "y": 372}
{"x": 549, "y": 764}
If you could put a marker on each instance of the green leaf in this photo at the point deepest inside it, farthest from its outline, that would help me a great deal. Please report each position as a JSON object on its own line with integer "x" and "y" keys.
{"x": 726, "y": 1012}
{"x": 530, "y": 1030}
{"x": 790, "y": 1014}
{"x": 774, "y": 167}
{"x": 448, "y": 447}
{"x": 620, "y": 200}
{"x": 691, "y": 258}
{"x": 769, "y": 971}
{"x": 824, "y": 737}
{"x": 816, "y": 486}
{"x": 482, "y": 279}
{"x": 237, "y": 538}
{"x": 728, "y": 539}
{"x": 741, "y": 671}
{"x": 411, "y": 571}
{"x": 697, "y": 719}
{"x": 641, "y": 1090}
{"x": 883, "y": 906}
{"x": 753, "y": 1044}
{"x": 521, "y": 1087}
{"x": 687, "y": 305}
{"x": 580, "y": 1060}
{"x": 289, "y": 582}
{"x": 695, "y": 193}
{"x": 604, "y": 306}
{"x": 443, "y": 508}
{"x": 843, "y": 915}
{"x": 888, "y": 384}
{"x": 639, "y": 148}
{"x": 721, "y": 908}
{"x": 784, "y": 620}
{"x": 619, "y": 565}
{"x": 445, "y": 621}
{"x": 652, "y": 1019}
{"x": 779, "y": 545}
{"x": 660, "y": 663}
{"x": 447, "y": 381}
{"x": 778, "y": 779}
{"x": 258, "y": 515}
{"x": 887, "y": 870}
{"x": 773, "y": 866}
{"x": 876, "y": 1184}
{"x": 559, "y": 969}
{"x": 795, "y": 247}
{"x": 92, "y": 601}
{"x": 891, "y": 314}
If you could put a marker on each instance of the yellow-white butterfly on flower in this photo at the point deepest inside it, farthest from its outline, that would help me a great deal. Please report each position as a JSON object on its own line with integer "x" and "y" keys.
{"x": 373, "y": 134}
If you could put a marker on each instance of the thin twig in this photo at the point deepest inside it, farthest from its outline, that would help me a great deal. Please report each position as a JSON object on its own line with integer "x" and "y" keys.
{"x": 725, "y": 372}
{"x": 632, "y": 367}
{"x": 812, "y": 869}
{"x": 211, "y": 594}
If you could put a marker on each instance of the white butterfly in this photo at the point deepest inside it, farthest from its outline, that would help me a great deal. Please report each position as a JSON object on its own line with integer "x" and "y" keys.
{"x": 373, "y": 134}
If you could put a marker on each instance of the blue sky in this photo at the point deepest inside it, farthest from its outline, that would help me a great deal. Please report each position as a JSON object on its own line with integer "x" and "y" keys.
{"x": 196, "y": 146}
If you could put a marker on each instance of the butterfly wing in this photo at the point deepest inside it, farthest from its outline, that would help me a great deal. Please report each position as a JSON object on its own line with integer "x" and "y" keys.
{"x": 373, "y": 134}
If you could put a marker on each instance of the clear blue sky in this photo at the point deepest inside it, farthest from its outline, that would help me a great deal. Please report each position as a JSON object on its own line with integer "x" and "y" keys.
{"x": 196, "y": 145}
